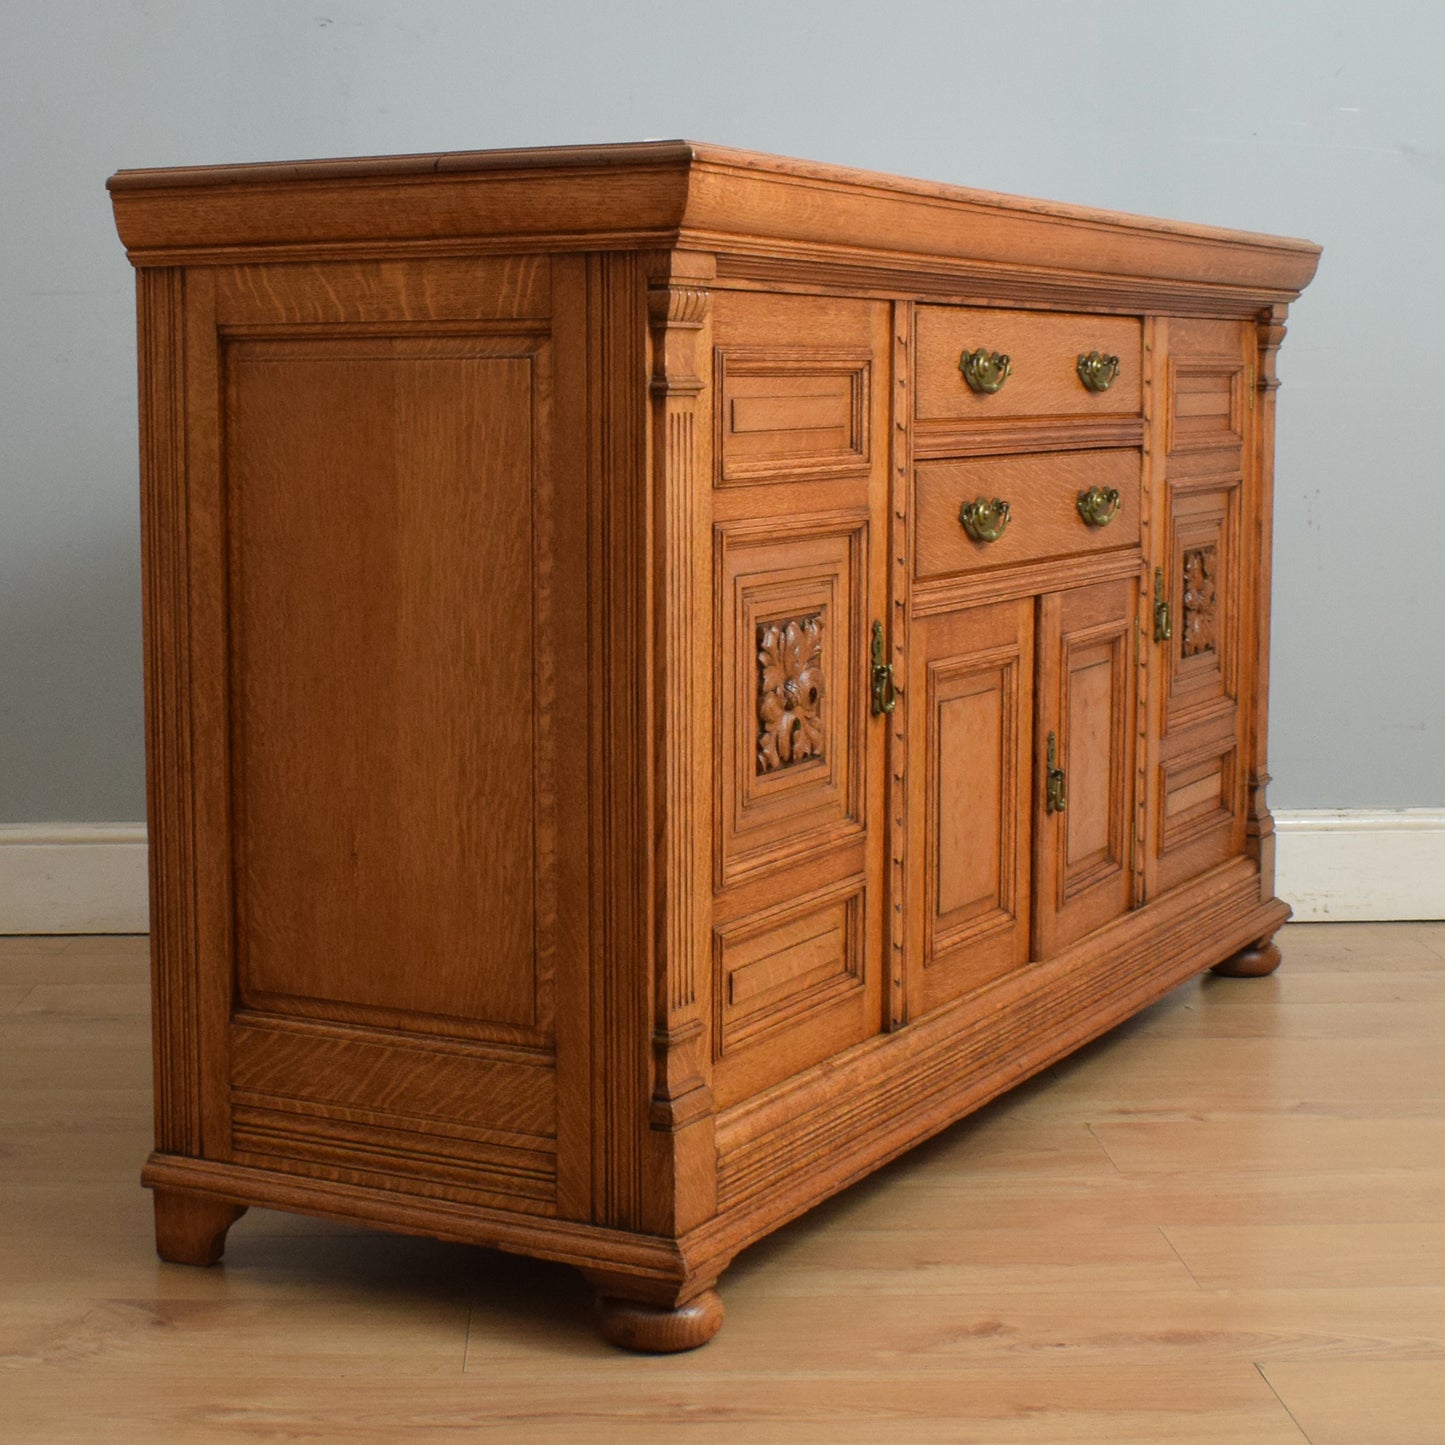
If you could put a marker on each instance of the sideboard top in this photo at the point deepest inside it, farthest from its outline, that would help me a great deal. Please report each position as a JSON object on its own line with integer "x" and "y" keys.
{"x": 672, "y": 194}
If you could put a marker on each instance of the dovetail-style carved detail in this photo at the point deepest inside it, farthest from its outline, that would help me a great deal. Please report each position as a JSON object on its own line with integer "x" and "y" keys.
{"x": 1200, "y": 601}
{"x": 677, "y": 313}
{"x": 790, "y": 691}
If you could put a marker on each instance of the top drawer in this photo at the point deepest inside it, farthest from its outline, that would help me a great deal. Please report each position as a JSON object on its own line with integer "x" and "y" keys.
{"x": 1043, "y": 350}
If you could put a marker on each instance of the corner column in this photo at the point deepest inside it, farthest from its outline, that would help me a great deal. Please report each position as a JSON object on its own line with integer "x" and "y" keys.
{"x": 1259, "y": 831}
{"x": 682, "y": 1159}
{"x": 1263, "y": 956}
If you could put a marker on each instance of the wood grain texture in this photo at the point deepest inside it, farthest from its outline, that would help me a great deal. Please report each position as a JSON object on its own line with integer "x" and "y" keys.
{"x": 679, "y": 1147}
{"x": 191, "y": 1229}
{"x": 169, "y": 800}
{"x": 1043, "y": 495}
{"x": 1085, "y": 700}
{"x": 597, "y": 788}
{"x": 439, "y": 608}
{"x": 1043, "y": 352}
{"x": 1214, "y": 1277}
{"x": 661, "y": 191}
{"x": 621, "y": 781}
{"x": 969, "y": 695}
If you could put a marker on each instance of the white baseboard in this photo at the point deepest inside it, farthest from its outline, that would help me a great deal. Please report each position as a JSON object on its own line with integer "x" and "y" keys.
{"x": 73, "y": 878}
{"x": 1331, "y": 864}
{"x": 1351, "y": 865}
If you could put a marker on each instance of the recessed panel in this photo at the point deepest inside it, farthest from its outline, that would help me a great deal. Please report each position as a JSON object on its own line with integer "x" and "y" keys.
{"x": 789, "y": 988}
{"x": 795, "y": 411}
{"x": 1094, "y": 819}
{"x": 1206, "y": 404}
{"x": 1203, "y": 584}
{"x": 392, "y": 677}
{"x": 1197, "y": 794}
{"x": 968, "y": 802}
{"x": 969, "y": 695}
{"x": 792, "y": 690}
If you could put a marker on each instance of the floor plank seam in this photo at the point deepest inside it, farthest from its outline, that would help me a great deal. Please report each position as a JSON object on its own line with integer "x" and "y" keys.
{"x": 1094, "y": 1135}
{"x": 1269, "y": 1384}
{"x": 1165, "y": 1234}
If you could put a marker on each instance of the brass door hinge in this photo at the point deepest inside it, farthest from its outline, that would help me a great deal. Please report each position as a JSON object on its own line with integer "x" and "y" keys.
{"x": 1163, "y": 623}
{"x": 1055, "y": 800}
{"x": 885, "y": 694}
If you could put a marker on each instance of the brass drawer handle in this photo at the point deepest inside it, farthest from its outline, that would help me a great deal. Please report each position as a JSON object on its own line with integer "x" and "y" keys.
{"x": 1097, "y": 371}
{"x": 1099, "y": 505}
{"x": 985, "y": 371}
{"x": 984, "y": 520}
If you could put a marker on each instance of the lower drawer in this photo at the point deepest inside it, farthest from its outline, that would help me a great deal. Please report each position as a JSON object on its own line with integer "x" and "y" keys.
{"x": 1043, "y": 492}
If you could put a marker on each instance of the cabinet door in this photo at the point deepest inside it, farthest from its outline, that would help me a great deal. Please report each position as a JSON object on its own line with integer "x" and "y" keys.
{"x": 970, "y": 706}
{"x": 800, "y": 571}
{"x": 1083, "y": 758}
{"x": 1197, "y": 767}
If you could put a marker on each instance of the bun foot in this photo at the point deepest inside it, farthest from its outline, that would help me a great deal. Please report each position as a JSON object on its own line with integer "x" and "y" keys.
{"x": 190, "y": 1228}
{"x": 658, "y": 1329}
{"x": 1253, "y": 962}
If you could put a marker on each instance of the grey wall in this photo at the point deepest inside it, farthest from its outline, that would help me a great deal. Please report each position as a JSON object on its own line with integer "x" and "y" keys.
{"x": 1320, "y": 118}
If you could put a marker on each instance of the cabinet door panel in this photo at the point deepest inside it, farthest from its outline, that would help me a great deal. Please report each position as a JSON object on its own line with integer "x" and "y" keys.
{"x": 799, "y": 574}
{"x": 1197, "y": 709}
{"x": 1086, "y": 706}
{"x": 969, "y": 699}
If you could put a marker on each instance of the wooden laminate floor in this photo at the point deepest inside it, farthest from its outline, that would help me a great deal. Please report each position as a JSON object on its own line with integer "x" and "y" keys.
{"x": 1224, "y": 1223}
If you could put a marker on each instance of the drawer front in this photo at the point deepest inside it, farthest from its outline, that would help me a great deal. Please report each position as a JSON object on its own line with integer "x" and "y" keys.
{"x": 1044, "y": 520}
{"x": 1043, "y": 351}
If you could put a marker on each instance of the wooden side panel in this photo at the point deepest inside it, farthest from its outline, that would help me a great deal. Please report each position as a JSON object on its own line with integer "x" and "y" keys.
{"x": 358, "y": 1109}
{"x": 1200, "y": 693}
{"x": 183, "y": 1072}
{"x": 1086, "y": 695}
{"x": 388, "y": 723}
{"x": 970, "y": 712}
{"x": 395, "y": 719}
{"x": 455, "y": 289}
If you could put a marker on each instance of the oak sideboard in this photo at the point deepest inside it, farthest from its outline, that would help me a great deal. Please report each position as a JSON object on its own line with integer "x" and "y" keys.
{"x": 674, "y": 674}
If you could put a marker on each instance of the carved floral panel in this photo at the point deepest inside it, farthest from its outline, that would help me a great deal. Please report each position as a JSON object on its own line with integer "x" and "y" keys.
{"x": 1200, "y": 601}
{"x": 790, "y": 691}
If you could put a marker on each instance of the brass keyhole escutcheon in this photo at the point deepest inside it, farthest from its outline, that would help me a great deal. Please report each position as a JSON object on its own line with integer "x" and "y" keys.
{"x": 1099, "y": 505}
{"x": 985, "y": 371}
{"x": 1097, "y": 371}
